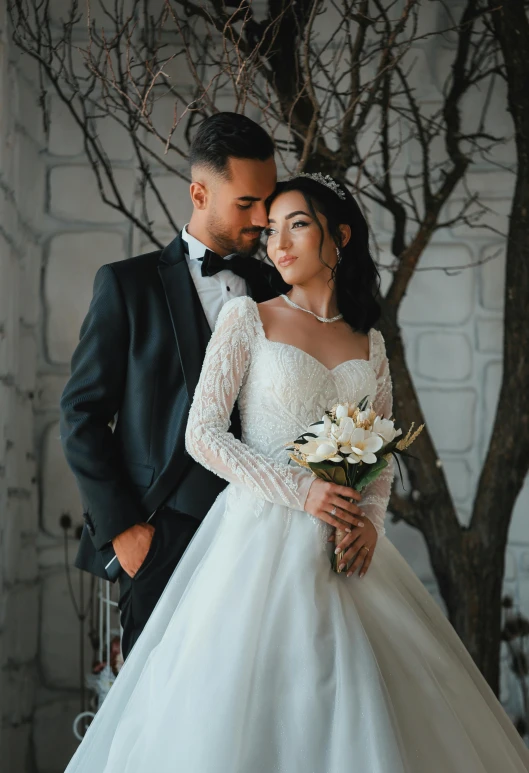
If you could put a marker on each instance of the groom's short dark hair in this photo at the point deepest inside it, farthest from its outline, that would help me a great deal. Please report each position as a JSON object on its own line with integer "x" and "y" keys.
{"x": 225, "y": 135}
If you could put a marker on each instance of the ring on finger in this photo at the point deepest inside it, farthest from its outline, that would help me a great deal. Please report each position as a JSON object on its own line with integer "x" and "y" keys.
{"x": 364, "y": 547}
{"x": 333, "y": 511}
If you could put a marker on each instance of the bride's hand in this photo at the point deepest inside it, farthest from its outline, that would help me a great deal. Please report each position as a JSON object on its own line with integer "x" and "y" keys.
{"x": 329, "y": 502}
{"x": 353, "y": 545}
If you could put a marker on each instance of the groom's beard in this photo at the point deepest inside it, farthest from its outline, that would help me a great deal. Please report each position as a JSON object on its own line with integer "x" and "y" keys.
{"x": 228, "y": 242}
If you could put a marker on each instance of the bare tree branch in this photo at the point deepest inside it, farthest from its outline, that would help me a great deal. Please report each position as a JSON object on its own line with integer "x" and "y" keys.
{"x": 346, "y": 105}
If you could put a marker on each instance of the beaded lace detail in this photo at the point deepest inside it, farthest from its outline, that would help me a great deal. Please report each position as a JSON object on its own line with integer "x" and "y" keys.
{"x": 281, "y": 389}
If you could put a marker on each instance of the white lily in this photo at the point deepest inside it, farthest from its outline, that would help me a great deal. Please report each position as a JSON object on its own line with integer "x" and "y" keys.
{"x": 341, "y": 410}
{"x": 321, "y": 449}
{"x": 364, "y": 445}
{"x": 322, "y": 429}
{"x": 363, "y": 416}
{"x": 386, "y": 429}
{"x": 343, "y": 430}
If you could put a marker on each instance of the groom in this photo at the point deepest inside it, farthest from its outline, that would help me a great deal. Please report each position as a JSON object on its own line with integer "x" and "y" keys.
{"x": 137, "y": 363}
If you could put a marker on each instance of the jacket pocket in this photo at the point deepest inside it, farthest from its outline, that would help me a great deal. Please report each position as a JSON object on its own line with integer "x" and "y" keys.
{"x": 141, "y": 474}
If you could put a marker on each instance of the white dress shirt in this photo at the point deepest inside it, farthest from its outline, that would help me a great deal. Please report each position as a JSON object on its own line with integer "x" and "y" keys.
{"x": 213, "y": 291}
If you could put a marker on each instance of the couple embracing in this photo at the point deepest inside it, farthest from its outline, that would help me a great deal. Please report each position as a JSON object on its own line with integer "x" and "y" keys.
{"x": 245, "y": 652}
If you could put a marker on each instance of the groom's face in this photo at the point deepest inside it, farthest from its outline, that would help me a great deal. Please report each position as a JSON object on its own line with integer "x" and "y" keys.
{"x": 235, "y": 209}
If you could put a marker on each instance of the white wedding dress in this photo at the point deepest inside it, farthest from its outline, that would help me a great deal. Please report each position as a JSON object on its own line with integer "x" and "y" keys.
{"x": 258, "y": 658}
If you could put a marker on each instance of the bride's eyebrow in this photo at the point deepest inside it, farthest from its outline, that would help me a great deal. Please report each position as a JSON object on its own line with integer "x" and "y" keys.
{"x": 292, "y": 214}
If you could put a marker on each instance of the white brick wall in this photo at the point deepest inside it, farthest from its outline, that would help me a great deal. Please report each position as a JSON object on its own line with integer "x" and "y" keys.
{"x": 20, "y": 209}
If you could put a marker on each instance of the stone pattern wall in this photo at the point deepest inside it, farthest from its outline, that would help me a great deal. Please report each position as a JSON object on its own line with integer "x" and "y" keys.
{"x": 59, "y": 234}
{"x": 79, "y": 234}
{"x": 21, "y": 206}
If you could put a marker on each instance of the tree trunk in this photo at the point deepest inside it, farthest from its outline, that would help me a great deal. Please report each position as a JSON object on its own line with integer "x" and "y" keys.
{"x": 467, "y": 566}
{"x": 471, "y": 585}
{"x": 469, "y": 563}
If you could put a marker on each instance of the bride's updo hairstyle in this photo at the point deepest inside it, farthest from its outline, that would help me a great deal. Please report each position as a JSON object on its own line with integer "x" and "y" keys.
{"x": 356, "y": 277}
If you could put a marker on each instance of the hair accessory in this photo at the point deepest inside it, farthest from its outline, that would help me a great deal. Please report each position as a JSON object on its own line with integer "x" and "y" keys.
{"x": 326, "y": 180}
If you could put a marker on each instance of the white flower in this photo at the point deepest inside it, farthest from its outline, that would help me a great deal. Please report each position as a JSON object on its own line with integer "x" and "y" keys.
{"x": 340, "y": 411}
{"x": 362, "y": 416}
{"x": 343, "y": 430}
{"x": 320, "y": 429}
{"x": 364, "y": 445}
{"x": 386, "y": 429}
{"x": 321, "y": 449}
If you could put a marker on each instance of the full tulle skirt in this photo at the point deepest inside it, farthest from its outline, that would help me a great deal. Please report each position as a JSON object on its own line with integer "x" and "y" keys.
{"x": 259, "y": 659}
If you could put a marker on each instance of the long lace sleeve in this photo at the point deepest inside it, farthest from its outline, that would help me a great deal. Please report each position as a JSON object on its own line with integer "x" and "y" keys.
{"x": 207, "y": 437}
{"x": 376, "y": 495}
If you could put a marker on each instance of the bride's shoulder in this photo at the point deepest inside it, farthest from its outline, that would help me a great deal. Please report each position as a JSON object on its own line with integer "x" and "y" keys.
{"x": 267, "y": 309}
{"x": 377, "y": 345}
{"x": 240, "y": 310}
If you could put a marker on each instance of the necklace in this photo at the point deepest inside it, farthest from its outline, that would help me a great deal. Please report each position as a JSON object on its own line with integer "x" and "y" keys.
{"x": 320, "y": 319}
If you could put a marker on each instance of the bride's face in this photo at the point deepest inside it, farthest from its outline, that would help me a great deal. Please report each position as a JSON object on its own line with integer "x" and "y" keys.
{"x": 295, "y": 240}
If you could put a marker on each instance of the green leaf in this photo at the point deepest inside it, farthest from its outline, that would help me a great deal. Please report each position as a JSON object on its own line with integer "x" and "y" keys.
{"x": 371, "y": 474}
{"x": 352, "y": 473}
{"x": 323, "y": 474}
{"x": 332, "y": 472}
{"x": 302, "y": 439}
{"x": 363, "y": 403}
{"x": 389, "y": 447}
{"x": 340, "y": 476}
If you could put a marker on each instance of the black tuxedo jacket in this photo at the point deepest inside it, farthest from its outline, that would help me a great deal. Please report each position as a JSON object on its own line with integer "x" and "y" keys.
{"x": 136, "y": 366}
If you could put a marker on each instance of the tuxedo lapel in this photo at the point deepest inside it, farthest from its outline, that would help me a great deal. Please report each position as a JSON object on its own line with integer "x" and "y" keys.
{"x": 191, "y": 331}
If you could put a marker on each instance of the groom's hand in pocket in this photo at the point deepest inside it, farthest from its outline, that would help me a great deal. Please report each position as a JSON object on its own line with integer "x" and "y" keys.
{"x": 132, "y": 546}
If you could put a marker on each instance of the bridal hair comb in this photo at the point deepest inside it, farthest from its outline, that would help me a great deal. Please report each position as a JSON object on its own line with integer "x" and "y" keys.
{"x": 326, "y": 180}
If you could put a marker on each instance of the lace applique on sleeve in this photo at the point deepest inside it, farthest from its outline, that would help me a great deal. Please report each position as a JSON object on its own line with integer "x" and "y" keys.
{"x": 376, "y": 495}
{"x": 208, "y": 440}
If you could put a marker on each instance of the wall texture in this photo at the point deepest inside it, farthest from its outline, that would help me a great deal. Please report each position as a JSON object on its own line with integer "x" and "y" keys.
{"x": 21, "y": 205}
{"x": 54, "y": 234}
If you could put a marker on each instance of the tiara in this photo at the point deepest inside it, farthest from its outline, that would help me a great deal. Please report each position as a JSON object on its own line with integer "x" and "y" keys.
{"x": 326, "y": 180}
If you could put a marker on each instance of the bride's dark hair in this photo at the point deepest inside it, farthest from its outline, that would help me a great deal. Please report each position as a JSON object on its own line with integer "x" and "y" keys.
{"x": 356, "y": 277}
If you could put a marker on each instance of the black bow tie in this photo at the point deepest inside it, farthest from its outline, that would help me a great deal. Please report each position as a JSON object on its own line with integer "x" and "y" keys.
{"x": 213, "y": 263}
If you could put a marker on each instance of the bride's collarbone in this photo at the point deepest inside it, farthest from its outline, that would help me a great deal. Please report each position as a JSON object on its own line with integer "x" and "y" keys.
{"x": 330, "y": 343}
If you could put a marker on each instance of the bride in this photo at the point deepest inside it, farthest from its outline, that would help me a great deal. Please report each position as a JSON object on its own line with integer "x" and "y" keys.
{"x": 258, "y": 658}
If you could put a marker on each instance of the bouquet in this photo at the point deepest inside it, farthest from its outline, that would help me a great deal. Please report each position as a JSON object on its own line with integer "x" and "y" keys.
{"x": 350, "y": 446}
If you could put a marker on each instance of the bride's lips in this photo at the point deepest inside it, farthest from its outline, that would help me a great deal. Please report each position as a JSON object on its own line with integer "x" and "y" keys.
{"x": 286, "y": 260}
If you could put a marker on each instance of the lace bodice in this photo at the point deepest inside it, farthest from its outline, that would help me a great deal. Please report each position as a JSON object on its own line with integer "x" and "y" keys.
{"x": 281, "y": 389}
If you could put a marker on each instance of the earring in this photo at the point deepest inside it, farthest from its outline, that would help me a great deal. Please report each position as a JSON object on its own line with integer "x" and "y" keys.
{"x": 339, "y": 254}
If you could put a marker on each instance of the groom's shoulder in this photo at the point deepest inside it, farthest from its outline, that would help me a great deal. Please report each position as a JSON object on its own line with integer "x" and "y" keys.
{"x": 139, "y": 264}
{"x": 134, "y": 275}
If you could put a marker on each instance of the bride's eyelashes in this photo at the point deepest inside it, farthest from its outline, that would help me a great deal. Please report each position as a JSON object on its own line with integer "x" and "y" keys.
{"x": 271, "y": 231}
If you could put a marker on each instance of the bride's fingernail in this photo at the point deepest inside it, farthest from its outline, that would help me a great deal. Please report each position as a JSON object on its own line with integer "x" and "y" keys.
{"x": 348, "y": 531}
{"x": 362, "y": 574}
{"x": 350, "y": 574}
{"x": 338, "y": 550}
{"x": 342, "y": 566}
